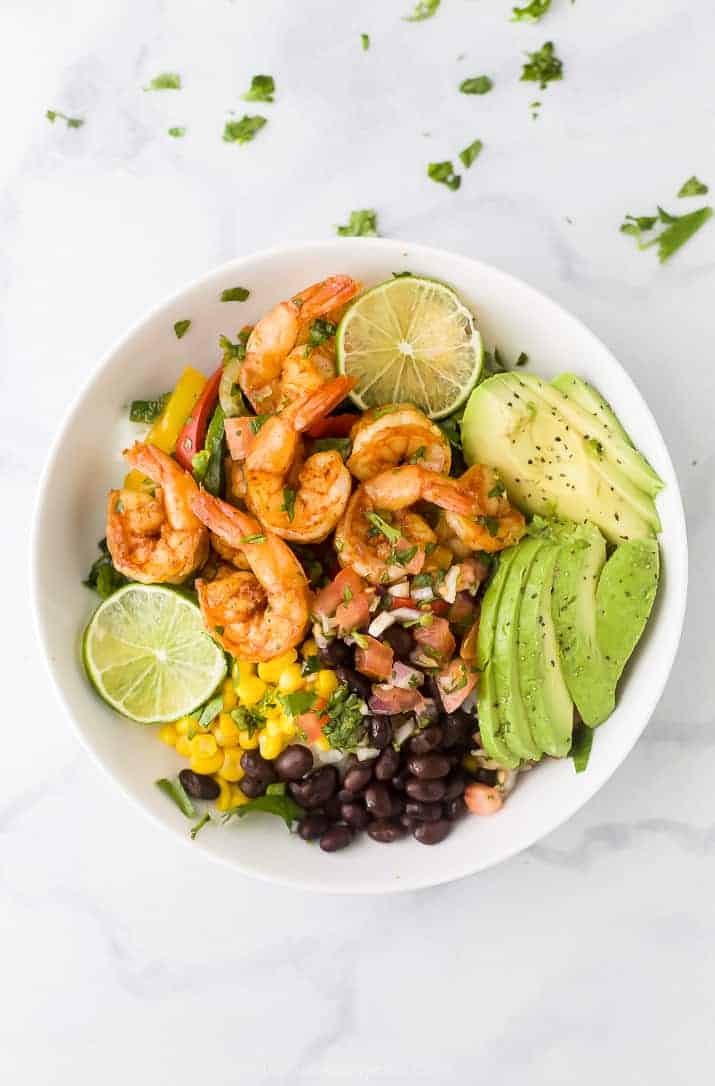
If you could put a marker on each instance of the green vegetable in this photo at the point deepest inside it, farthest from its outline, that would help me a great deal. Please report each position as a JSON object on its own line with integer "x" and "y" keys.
{"x": 522, "y": 359}
{"x": 490, "y": 523}
{"x": 165, "y": 81}
{"x": 235, "y": 294}
{"x": 403, "y": 558}
{"x": 278, "y": 788}
{"x": 451, "y": 428}
{"x": 174, "y": 789}
{"x": 478, "y": 84}
{"x": 320, "y": 331}
{"x": 302, "y": 701}
{"x": 248, "y": 720}
{"x": 365, "y": 39}
{"x": 102, "y": 576}
{"x": 581, "y": 747}
{"x": 262, "y": 89}
{"x": 361, "y": 224}
{"x": 470, "y": 153}
{"x": 198, "y": 826}
{"x": 543, "y": 66}
{"x": 209, "y": 712}
{"x": 147, "y": 410}
{"x": 343, "y": 445}
{"x": 347, "y": 725}
{"x": 177, "y": 133}
{"x": 443, "y": 172}
{"x": 208, "y": 463}
{"x": 288, "y": 506}
{"x": 533, "y": 11}
{"x": 424, "y": 9}
{"x": 392, "y": 535}
{"x": 257, "y": 421}
{"x": 245, "y": 130}
{"x": 257, "y": 538}
{"x": 311, "y": 665}
{"x": 693, "y": 187}
{"x": 234, "y": 350}
{"x": 678, "y": 229}
{"x": 72, "y": 122}
{"x": 280, "y": 805}
{"x": 181, "y": 328}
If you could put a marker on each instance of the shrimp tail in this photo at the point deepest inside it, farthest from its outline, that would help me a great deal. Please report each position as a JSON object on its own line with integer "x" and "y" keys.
{"x": 447, "y": 494}
{"x": 316, "y": 405}
{"x": 321, "y": 297}
{"x": 231, "y": 524}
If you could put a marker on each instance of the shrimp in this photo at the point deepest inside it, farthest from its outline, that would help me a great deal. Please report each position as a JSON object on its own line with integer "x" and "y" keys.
{"x": 276, "y": 334}
{"x": 397, "y": 434}
{"x": 254, "y": 615}
{"x": 300, "y": 501}
{"x": 156, "y": 538}
{"x": 380, "y": 536}
{"x": 494, "y": 525}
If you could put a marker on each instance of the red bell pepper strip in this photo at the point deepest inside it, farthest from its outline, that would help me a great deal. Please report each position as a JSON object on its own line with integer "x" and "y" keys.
{"x": 333, "y": 426}
{"x": 192, "y": 437}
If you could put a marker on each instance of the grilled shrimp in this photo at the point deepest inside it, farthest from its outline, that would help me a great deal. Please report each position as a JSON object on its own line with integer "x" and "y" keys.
{"x": 380, "y": 536}
{"x": 259, "y": 614}
{"x": 298, "y": 500}
{"x": 494, "y": 525}
{"x": 286, "y": 325}
{"x": 397, "y": 434}
{"x": 156, "y": 538}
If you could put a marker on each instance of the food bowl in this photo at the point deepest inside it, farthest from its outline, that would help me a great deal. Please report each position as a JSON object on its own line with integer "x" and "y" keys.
{"x": 86, "y": 460}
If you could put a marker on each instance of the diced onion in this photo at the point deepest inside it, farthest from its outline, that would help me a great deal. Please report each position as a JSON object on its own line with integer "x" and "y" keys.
{"x": 401, "y": 589}
{"x": 381, "y": 622}
{"x": 421, "y": 594}
{"x": 448, "y": 588}
{"x": 404, "y": 732}
{"x": 365, "y": 753}
{"x": 406, "y": 614}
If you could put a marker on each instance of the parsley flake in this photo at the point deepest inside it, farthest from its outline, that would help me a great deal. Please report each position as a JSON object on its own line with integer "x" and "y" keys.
{"x": 235, "y": 294}
{"x": 470, "y": 153}
{"x": 478, "y": 84}
{"x": 72, "y": 122}
{"x": 678, "y": 229}
{"x": 288, "y": 505}
{"x": 165, "y": 81}
{"x": 177, "y": 132}
{"x": 262, "y": 89}
{"x": 148, "y": 411}
{"x": 320, "y": 331}
{"x": 347, "y": 725}
{"x": 693, "y": 187}
{"x": 424, "y": 9}
{"x": 543, "y": 66}
{"x": 243, "y": 131}
{"x": 490, "y": 523}
{"x": 392, "y": 535}
{"x": 361, "y": 224}
{"x": 532, "y": 12}
{"x": 181, "y": 328}
{"x": 443, "y": 172}
{"x": 365, "y": 41}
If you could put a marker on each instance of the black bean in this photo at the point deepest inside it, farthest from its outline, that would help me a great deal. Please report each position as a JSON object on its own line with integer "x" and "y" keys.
{"x": 431, "y": 833}
{"x": 315, "y": 789}
{"x": 428, "y": 767}
{"x": 335, "y": 838}
{"x": 385, "y": 832}
{"x": 431, "y": 690}
{"x": 425, "y": 791}
{"x": 455, "y": 786}
{"x": 426, "y": 740}
{"x": 357, "y": 778}
{"x": 355, "y": 815}
{"x": 408, "y": 821}
{"x": 293, "y": 763}
{"x": 337, "y": 654}
{"x": 312, "y": 825}
{"x": 458, "y": 727}
{"x": 398, "y": 804}
{"x": 424, "y": 812}
{"x": 199, "y": 785}
{"x": 399, "y": 781}
{"x": 455, "y": 808}
{"x": 379, "y": 730}
{"x": 252, "y": 787}
{"x": 400, "y": 641}
{"x": 333, "y": 809}
{"x": 387, "y": 764}
{"x": 377, "y": 800}
{"x": 256, "y": 766}
{"x": 355, "y": 682}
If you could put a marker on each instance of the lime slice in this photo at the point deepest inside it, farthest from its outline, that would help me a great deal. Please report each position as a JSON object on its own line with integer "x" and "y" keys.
{"x": 149, "y": 656}
{"x": 410, "y": 340}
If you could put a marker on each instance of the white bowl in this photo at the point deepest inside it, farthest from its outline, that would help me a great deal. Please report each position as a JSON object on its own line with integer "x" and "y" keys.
{"x": 86, "y": 460}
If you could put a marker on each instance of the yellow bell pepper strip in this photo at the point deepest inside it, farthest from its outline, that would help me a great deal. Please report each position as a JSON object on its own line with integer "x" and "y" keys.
{"x": 165, "y": 431}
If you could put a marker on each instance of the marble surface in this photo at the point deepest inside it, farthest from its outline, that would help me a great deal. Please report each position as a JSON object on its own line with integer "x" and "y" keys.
{"x": 588, "y": 958}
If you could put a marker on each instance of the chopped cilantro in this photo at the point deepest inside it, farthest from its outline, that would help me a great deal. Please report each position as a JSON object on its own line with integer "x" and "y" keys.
{"x": 301, "y": 701}
{"x": 387, "y": 409}
{"x": 320, "y": 331}
{"x": 147, "y": 410}
{"x": 235, "y": 294}
{"x": 181, "y": 328}
{"x": 365, "y": 40}
{"x": 72, "y": 122}
{"x": 404, "y": 557}
{"x": 361, "y": 224}
{"x": 543, "y": 66}
{"x": 347, "y": 725}
{"x": 443, "y": 172}
{"x": 533, "y": 11}
{"x": 174, "y": 789}
{"x": 343, "y": 445}
{"x": 470, "y": 153}
{"x": 280, "y": 805}
{"x": 478, "y": 84}
{"x": 177, "y": 132}
{"x": 424, "y": 9}
{"x": 311, "y": 665}
{"x": 490, "y": 523}
{"x": 418, "y": 454}
{"x": 693, "y": 187}
{"x": 234, "y": 350}
{"x": 257, "y": 538}
{"x": 678, "y": 229}
{"x": 497, "y": 490}
{"x": 248, "y": 720}
{"x": 102, "y": 576}
{"x": 288, "y": 506}
{"x": 257, "y": 422}
{"x": 402, "y": 275}
{"x": 165, "y": 81}
{"x": 243, "y": 131}
{"x": 347, "y": 594}
{"x": 198, "y": 826}
{"x": 262, "y": 89}
{"x": 451, "y": 428}
{"x": 392, "y": 535}
{"x": 422, "y": 580}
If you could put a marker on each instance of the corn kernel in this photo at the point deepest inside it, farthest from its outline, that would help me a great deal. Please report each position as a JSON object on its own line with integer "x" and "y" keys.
{"x": 206, "y": 763}
{"x": 270, "y": 745}
{"x": 322, "y": 743}
{"x": 270, "y": 670}
{"x": 183, "y": 746}
{"x": 288, "y": 728}
{"x": 250, "y": 690}
{"x": 290, "y": 679}
{"x": 231, "y": 769}
{"x": 248, "y": 741}
{"x": 229, "y": 695}
{"x": 182, "y": 726}
{"x": 203, "y": 745}
{"x": 309, "y": 648}
{"x": 224, "y": 801}
{"x": 226, "y": 730}
{"x": 470, "y": 763}
{"x": 273, "y": 727}
{"x": 242, "y": 669}
{"x": 325, "y": 683}
{"x": 237, "y": 797}
{"x": 168, "y": 734}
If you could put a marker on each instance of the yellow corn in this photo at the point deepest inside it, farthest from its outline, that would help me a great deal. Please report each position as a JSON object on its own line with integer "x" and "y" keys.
{"x": 168, "y": 734}
{"x": 183, "y": 746}
{"x": 322, "y": 743}
{"x": 250, "y": 690}
{"x": 288, "y": 728}
{"x": 440, "y": 558}
{"x": 226, "y": 730}
{"x": 290, "y": 679}
{"x": 224, "y": 801}
{"x": 231, "y": 769}
{"x": 229, "y": 695}
{"x": 273, "y": 727}
{"x": 325, "y": 683}
{"x": 204, "y": 745}
{"x": 168, "y": 426}
{"x": 182, "y": 726}
{"x": 241, "y": 669}
{"x": 309, "y": 648}
{"x": 270, "y": 671}
{"x": 247, "y": 741}
{"x": 206, "y": 763}
{"x": 270, "y": 745}
{"x": 237, "y": 797}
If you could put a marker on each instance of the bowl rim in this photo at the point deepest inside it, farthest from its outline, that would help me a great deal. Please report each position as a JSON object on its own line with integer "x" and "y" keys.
{"x": 592, "y": 782}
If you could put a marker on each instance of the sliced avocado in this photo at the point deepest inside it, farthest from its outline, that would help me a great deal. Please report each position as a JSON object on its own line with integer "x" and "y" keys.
{"x": 591, "y": 401}
{"x": 516, "y": 732}
{"x": 624, "y": 600}
{"x": 490, "y": 722}
{"x": 547, "y": 464}
{"x": 547, "y": 701}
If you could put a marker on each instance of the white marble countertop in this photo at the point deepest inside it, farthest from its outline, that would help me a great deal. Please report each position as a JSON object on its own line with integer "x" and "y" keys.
{"x": 590, "y": 957}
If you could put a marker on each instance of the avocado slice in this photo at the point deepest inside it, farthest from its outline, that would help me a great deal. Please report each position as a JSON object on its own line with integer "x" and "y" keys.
{"x": 546, "y": 698}
{"x": 547, "y": 464}
{"x": 517, "y": 732}
{"x": 488, "y": 709}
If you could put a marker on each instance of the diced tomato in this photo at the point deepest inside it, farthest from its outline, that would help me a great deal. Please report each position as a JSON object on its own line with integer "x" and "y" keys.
{"x": 437, "y": 637}
{"x": 353, "y": 614}
{"x": 392, "y": 699}
{"x": 334, "y": 594}
{"x": 192, "y": 437}
{"x": 312, "y": 724}
{"x": 468, "y": 650}
{"x": 239, "y": 436}
{"x": 456, "y": 682}
{"x": 375, "y": 660}
{"x": 333, "y": 426}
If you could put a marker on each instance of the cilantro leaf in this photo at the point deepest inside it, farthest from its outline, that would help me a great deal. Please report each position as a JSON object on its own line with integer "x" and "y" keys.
{"x": 533, "y": 11}
{"x": 311, "y": 665}
{"x": 693, "y": 187}
{"x": 282, "y": 806}
{"x": 245, "y": 130}
{"x": 681, "y": 231}
{"x": 165, "y": 81}
{"x": 479, "y": 84}
{"x": 257, "y": 422}
{"x": 451, "y": 428}
{"x": 443, "y": 172}
{"x": 343, "y": 445}
{"x": 177, "y": 132}
{"x": 235, "y": 294}
{"x": 490, "y": 523}
{"x": 102, "y": 576}
{"x": 262, "y": 89}
{"x": 72, "y": 122}
{"x": 320, "y": 331}
{"x": 361, "y": 224}
{"x": 181, "y": 328}
{"x": 234, "y": 350}
{"x": 174, "y": 789}
{"x": 365, "y": 40}
{"x": 347, "y": 725}
{"x": 543, "y": 66}
{"x": 581, "y": 747}
{"x": 257, "y": 538}
{"x": 288, "y": 506}
{"x": 248, "y": 720}
{"x": 470, "y": 153}
{"x": 392, "y": 535}
{"x": 301, "y": 701}
{"x": 147, "y": 410}
{"x": 424, "y": 9}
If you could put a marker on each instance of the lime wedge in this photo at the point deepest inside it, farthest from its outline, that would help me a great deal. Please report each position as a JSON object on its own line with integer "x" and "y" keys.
{"x": 148, "y": 655}
{"x": 410, "y": 340}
